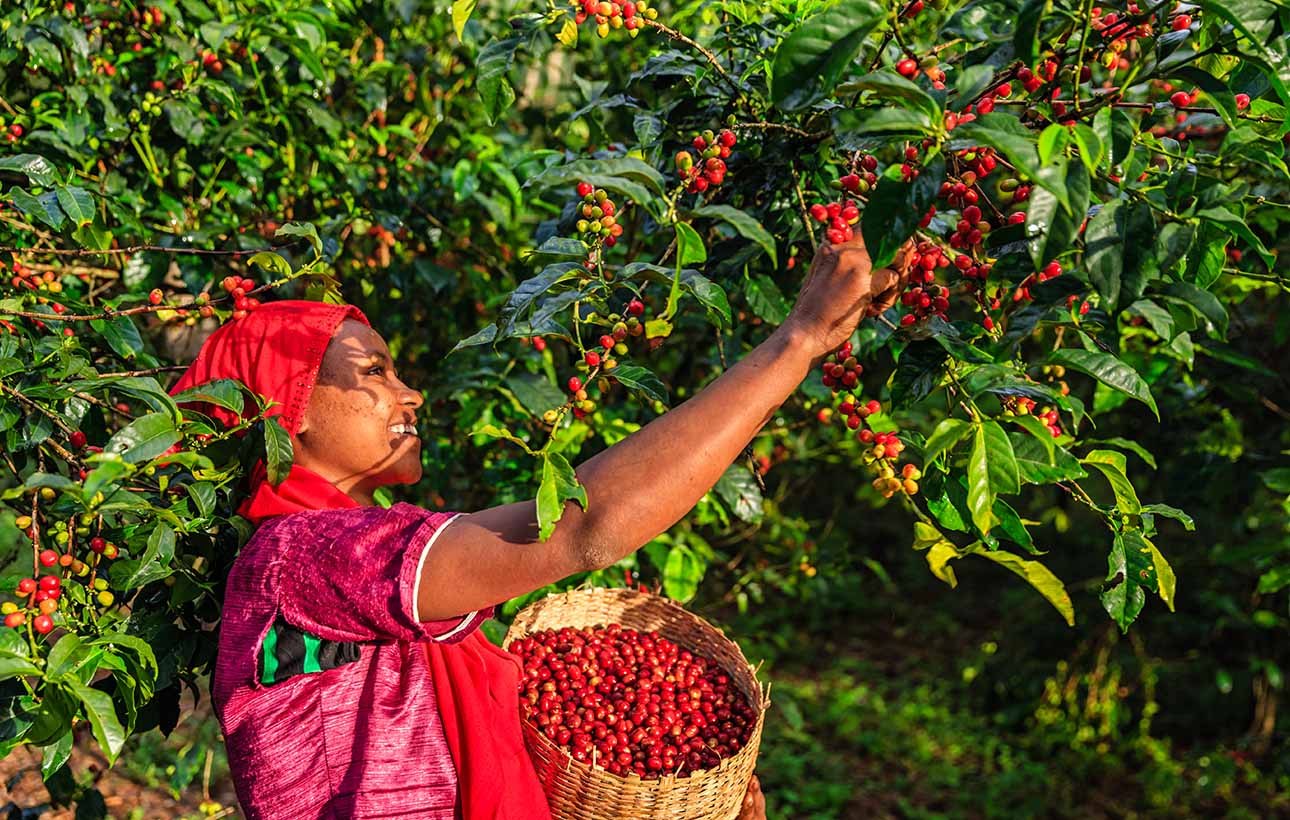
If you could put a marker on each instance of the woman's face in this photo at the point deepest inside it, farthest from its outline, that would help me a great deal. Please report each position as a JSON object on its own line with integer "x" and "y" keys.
{"x": 359, "y": 431}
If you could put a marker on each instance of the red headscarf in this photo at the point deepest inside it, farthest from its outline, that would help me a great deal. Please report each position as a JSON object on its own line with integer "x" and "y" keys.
{"x": 276, "y": 351}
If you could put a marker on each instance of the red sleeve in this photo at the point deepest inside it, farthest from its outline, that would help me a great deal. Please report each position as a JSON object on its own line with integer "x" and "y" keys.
{"x": 351, "y": 575}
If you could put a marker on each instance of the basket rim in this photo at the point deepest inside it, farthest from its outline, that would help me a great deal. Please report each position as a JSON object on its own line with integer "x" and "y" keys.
{"x": 667, "y": 780}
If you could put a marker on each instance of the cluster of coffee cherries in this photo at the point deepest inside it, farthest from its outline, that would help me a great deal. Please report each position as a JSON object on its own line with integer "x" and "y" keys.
{"x": 25, "y": 277}
{"x": 710, "y": 169}
{"x": 1023, "y": 406}
{"x": 238, "y": 287}
{"x": 613, "y": 15}
{"x": 40, "y": 598}
{"x": 862, "y": 179}
{"x": 840, "y": 218}
{"x": 631, "y": 702}
{"x": 597, "y": 220}
{"x": 929, "y": 65}
{"x": 12, "y": 133}
{"x": 922, "y": 294}
{"x": 882, "y": 449}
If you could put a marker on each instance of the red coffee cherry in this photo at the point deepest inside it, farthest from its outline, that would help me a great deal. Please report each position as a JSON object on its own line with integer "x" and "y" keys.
{"x": 155, "y": 296}
{"x": 48, "y": 558}
{"x": 77, "y": 439}
{"x": 43, "y": 624}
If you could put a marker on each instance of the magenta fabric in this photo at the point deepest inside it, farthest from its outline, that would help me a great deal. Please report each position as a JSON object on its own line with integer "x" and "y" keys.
{"x": 364, "y": 740}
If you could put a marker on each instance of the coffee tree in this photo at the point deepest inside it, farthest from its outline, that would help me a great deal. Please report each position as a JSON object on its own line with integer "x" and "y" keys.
{"x": 625, "y": 196}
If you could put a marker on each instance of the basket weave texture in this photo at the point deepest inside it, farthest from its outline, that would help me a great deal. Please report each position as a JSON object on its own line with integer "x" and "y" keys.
{"x": 582, "y": 791}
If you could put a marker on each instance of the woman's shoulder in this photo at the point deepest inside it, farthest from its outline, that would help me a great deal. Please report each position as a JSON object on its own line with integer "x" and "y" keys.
{"x": 350, "y": 520}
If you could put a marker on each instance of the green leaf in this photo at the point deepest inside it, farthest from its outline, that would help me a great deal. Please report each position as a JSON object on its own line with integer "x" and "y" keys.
{"x": 559, "y": 485}
{"x": 55, "y": 755}
{"x": 44, "y": 207}
{"x": 1025, "y": 39}
{"x": 1277, "y": 479}
{"x": 1166, "y": 581}
{"x": 102, "y": 475}
{"x": 1039, "y": 577}
{"x": 272, "y": 263}
{"x": 946, "y": 434}
{"x": 278, "y": 450}
{"x": 1171, "y": 512}
{"x": 461, "y": 11}
{"x": 226, "y": 393}
{"x": 896, "y": 207}
{"x": 1052, "y": 142}
{"x": 535, "y": 392}
{"x": 1124, "y": 598}
{"x": 1104, "y": 250}
{"x": 102, "y": 714}
{"x": 1109, "y": 370}
{"x": 67, "y": 656}
{"x": 122, "y": 335}
{"x": 765, "y": 299}
{"x": 1002, "y": 464}
{"x": 738, "y": 489}
{"x": 1235, "y": 225}
{"x": 490, "y": 76}
{"x": 77, "y": 203}
{"x": 893, "y": 88}
{"x": 626, "y": 175}
{"x": 154, "y": 564}
{"x": 746, "y": 225}
{"x": 811, "y": 59}
{"x": 39, "y": 171}
{"x": 144, "y": 438}
{"x": 642, "y": 379}
{"x": 1091, "y": 149}
{"x": 689, "y": 246}
{"x": 1202, "y": 301}
{"x": 1051, "y": 228}
{"x": 1037, "y": 466}
{"x": 13, "y": 667}
{"x": 852, "y": 126}
{"x": 1270, "y": 582}
{"x": 1112, "y": 465}
{"x": 682, "y": 573}
{"x": 939, "y": 556}
{"x": 502, "y": 433}
{"x": 305, "y": 229}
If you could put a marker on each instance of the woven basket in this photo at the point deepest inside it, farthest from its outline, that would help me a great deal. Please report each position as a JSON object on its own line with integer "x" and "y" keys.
{"x": 582, "y": 791}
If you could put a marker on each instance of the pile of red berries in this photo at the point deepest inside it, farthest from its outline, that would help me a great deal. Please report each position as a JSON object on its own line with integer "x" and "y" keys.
{"x": 609, "y": 14}
{"x": 596, "y": 215}
{"x": 238, "y": 287}
{"x": 839, "y": 216}
{"x": 631, "y": 702}
{"x": 710, "y": 171}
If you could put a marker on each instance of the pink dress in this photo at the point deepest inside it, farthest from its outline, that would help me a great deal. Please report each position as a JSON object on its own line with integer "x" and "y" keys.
{"x": 325, "y": 698}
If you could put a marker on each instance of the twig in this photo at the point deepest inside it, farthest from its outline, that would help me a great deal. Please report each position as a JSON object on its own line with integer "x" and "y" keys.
{"x": 712, "y": 58}
{"x": 140, "y": 248}
{"x": 776, "y": 126}
{"x": 152, "y": 371}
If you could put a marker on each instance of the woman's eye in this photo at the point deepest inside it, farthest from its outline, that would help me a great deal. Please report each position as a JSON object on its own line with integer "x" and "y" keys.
{"x": 375, "y": 370}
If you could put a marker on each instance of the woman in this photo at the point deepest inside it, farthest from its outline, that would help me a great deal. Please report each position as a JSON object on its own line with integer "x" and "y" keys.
{"x": 352, "y": 680}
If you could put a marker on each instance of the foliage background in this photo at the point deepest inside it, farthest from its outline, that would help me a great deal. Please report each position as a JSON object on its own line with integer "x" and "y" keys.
{"x": 376, "y": 125}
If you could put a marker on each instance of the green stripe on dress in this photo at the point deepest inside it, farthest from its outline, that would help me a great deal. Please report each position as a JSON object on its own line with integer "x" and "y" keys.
{"x": 269, "y": 657}
{"x": 311, "y": 653}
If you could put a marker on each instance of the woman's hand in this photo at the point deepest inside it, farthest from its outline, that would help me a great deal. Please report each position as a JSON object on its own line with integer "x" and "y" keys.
{"x": 841, "y": 289}
{"x": 754, "y": 807}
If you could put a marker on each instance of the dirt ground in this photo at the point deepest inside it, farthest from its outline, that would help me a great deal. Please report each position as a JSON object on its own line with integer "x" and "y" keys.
{"x": 23, "y": 795}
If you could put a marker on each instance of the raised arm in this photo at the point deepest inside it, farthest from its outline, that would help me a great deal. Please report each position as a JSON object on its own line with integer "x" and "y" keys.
{"x": 643, "y": 485}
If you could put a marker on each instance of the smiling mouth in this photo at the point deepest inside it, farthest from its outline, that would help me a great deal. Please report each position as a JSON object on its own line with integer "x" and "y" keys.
{"x": 403, "y": 430}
